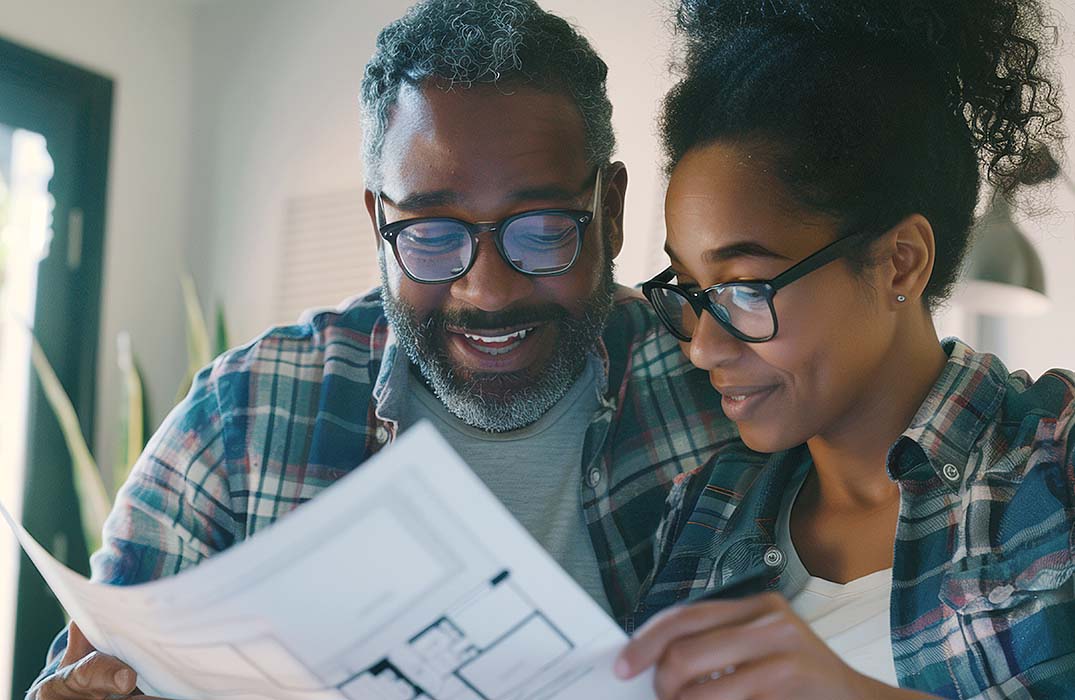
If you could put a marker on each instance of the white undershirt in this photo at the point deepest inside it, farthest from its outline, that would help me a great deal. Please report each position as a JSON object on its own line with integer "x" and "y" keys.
{"x": 852, "y": 618}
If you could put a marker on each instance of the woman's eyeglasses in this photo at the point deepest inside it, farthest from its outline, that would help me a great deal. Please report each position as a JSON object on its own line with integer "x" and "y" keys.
{"x": 543, "y": 242}
{"x": 743, "y": 308}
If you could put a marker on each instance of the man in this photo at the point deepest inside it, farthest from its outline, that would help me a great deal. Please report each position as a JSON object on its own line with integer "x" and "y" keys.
{"x": 556, "y": 386}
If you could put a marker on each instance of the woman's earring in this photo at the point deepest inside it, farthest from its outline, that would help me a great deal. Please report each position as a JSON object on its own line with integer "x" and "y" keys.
{"x": 901, "y": 298}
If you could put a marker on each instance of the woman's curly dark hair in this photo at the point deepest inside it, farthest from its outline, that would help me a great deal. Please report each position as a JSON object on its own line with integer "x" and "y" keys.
{"x": 871, "y": 110}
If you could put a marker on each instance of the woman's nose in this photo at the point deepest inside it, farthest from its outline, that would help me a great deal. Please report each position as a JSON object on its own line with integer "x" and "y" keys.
{"x": 711, "y": 345}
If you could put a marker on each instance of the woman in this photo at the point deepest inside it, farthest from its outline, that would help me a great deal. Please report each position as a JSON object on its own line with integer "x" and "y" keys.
{"x": 912, "y": 512}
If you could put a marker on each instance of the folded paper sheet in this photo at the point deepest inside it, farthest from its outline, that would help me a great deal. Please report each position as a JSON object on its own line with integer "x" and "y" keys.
{"x": 405, "y": 580}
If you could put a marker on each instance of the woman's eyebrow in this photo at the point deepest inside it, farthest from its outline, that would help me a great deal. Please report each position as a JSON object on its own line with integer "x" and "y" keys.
{"x": 745, "y": 249}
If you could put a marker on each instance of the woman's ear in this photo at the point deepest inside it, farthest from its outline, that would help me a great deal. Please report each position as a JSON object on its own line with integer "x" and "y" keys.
{"x": 908, "y": 257}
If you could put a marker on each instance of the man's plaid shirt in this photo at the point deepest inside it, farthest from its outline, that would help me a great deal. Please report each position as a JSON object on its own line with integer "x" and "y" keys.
{"x": 983, "y": 594}
{"x": 270, "y": 425}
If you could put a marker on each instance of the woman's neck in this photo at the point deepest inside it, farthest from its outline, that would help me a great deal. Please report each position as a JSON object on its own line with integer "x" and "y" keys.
{"x": 849, "y": 456}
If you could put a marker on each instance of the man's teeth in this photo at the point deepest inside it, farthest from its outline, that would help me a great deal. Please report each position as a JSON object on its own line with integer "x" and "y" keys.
{"x": 497, "y": 344}
{"x": 493, "y": 339}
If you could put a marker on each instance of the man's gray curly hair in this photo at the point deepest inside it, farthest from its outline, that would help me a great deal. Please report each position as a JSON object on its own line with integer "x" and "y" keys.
{"x": 461, "y": 43}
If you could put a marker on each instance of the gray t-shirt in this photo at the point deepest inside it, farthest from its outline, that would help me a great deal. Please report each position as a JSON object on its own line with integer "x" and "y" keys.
{"x": 535, "y": 471}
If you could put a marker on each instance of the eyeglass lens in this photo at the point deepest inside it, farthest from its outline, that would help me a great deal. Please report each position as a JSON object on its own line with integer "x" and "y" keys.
{"x": 540, "y": 243}
{"x": 745, "y": 308}
{"x": 433, "y": 250}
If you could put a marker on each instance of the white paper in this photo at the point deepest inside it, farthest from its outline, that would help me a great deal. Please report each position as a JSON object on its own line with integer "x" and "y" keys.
{"x": 407, "y": 579}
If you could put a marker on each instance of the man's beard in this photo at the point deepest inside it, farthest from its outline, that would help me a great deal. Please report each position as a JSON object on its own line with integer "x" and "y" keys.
{"x": 501, "y": 401}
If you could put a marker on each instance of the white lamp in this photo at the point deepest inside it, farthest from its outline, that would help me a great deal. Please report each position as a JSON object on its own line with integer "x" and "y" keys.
{"x": 1003, "y": 274}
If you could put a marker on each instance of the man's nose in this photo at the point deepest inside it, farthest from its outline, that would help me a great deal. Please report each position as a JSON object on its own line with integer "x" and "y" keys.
{"x": 491, "y": 284}
{"x": 711, "y": 345}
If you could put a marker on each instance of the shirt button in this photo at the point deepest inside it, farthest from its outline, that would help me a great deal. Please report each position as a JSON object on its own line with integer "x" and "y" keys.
{"x": 381, "y": 434}
{"x": 593, "y": 478}
{"x": 1001, "y": 594}
{"x": 773, "y": 557}
{"x": 950, "y": 472}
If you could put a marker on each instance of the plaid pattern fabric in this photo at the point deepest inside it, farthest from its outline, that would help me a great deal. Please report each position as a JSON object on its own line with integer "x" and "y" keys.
{"x": 270, "y": 425}
{"x": 983, "y": 599}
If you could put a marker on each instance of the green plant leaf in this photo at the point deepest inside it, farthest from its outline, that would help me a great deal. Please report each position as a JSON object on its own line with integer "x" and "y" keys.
{"x": 133, "y": 418}
{"x": 222, "y": 342}
{"x": 198, "y": 353}
{"x": 184, "y": 386}
{"x": 92, "y": 494}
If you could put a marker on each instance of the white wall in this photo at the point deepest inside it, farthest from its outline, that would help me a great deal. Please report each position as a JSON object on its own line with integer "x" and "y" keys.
{"x": 277, "y": 117}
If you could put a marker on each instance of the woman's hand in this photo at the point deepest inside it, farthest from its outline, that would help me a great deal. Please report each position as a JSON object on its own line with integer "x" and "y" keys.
{"x": 753, "y": 647}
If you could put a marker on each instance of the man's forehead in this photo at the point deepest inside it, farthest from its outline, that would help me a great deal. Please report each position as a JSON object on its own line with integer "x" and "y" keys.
{"x": 472, "y": 139}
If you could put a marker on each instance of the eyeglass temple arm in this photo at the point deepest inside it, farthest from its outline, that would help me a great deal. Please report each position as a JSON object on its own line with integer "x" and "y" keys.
{"x": 597, "y": 192}
{"x": 826, "y": 255}
{"x": 378, "y": 207}
{"x": 665, "y": 276}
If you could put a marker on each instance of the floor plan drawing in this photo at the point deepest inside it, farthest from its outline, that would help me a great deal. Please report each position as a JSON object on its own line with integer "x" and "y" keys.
{"x": 490, "y": 647}
{"x": 407, "y": 580}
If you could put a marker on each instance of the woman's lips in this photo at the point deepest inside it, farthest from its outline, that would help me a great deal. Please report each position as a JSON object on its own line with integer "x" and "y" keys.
{"x": 741, "y": 402}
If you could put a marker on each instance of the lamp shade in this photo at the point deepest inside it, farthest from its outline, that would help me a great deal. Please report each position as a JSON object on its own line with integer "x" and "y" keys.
{"x": 1003, "y": 274}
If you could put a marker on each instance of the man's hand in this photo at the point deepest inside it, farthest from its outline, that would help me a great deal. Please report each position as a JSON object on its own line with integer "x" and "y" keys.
{"x": 86, "y": 674}
{"x": 750, "y": 648}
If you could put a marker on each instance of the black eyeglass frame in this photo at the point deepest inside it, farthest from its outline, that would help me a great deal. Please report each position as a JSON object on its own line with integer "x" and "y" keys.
{"x": 390, "y": 231}
{"x": 700, "y": 299}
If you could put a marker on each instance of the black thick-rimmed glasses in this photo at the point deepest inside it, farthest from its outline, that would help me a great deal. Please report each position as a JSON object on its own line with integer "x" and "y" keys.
{"x": 542, "y": 242}
{"x": 743, "y": 308}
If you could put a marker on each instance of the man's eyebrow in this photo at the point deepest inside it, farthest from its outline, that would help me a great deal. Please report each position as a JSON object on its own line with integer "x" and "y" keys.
{"x": 544, "y": 193}
{"x": 744, "y": 249}
{"x": 418, "y": 201}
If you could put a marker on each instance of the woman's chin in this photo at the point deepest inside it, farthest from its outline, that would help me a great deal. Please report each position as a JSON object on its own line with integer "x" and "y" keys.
{"x": 766, "y": 438}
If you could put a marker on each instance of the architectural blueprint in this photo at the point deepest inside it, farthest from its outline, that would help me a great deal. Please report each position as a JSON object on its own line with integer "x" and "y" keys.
{"x": 407, "y": 580}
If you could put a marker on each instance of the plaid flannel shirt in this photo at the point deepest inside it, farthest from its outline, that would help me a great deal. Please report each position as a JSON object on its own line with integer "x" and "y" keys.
{"x": 983, "y": 595}
{"x": 270, "y": 425}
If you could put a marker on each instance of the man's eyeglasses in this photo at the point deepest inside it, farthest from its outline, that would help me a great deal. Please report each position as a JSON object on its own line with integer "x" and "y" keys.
{"x": 543, "y": 242}
{"x": 743, "y": 308}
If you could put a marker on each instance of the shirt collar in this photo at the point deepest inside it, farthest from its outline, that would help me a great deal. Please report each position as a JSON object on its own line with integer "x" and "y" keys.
{"x": 945, "y": 429}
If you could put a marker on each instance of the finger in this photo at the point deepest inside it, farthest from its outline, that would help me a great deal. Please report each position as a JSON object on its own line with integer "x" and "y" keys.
{"x": 92, "y": 677}
{"x": 688, "y": 659}
{"x": 754, "y": 680}
{"x": 650, "y": 641}
{"x": 77, "y": 646}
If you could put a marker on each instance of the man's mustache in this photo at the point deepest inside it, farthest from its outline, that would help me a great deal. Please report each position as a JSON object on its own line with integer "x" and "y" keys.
{"x": 520, "y": 316}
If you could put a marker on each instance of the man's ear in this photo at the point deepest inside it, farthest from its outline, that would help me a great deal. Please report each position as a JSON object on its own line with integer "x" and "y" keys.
{"x": 371, "y": 209}
{"x": 612, "y": 204}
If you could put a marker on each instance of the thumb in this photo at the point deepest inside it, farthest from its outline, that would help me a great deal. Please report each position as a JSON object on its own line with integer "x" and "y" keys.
{"x": 77, "y": 646}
